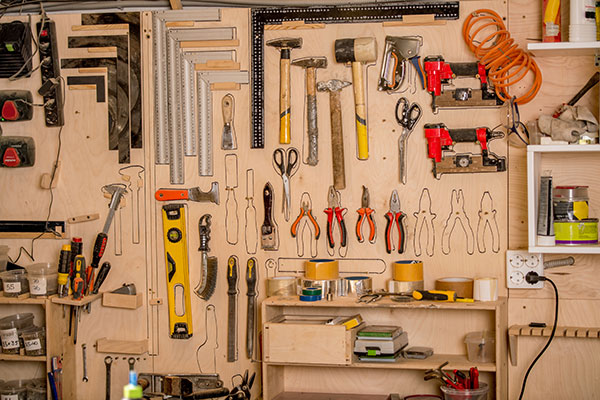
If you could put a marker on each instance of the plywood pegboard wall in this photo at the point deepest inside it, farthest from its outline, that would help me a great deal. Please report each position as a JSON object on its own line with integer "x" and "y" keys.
{"x": 87, "y": 165}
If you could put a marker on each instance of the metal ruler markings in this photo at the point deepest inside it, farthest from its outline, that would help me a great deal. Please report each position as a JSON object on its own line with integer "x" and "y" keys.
{"x": 325, "y": 14}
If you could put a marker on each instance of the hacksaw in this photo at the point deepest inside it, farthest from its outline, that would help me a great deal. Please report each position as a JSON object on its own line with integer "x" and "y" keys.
{"x": 159, "y": 30}
{"x": 328, "y": 15}
{"x": 178, "y": 280}
{"x": 205, "y": 132}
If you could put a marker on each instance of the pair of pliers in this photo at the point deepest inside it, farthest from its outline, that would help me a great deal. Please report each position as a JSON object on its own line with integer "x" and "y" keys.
{"x": 395, "y": 217}
{"x": 334, "y": 210}
{"x": 306, "y": 219}
{"x": 365, "y": 213}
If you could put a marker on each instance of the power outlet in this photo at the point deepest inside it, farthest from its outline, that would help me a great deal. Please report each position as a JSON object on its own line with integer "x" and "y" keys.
{"x": 518, "y": 264}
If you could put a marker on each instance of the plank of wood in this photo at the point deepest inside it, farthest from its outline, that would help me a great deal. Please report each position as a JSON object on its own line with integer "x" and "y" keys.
{"x": 99, "y": 70}
{"x": 176, "y": 4}
{"x": 180, "y": 24}
{"x": 83, "y": 218}
{"x": 100, "y": 27}
{"x": 327, "y": 396}
{"x": 217, "y": 65}
{"x": 108, "y": 49}
{"x": 31, "y": 235}
{"x": 225, "y": 86}
{"x": 293, "y": 25}
{"x": 117, "y": 300}
{"x": 70, "y": 302}
{"x": 104, "y": 345}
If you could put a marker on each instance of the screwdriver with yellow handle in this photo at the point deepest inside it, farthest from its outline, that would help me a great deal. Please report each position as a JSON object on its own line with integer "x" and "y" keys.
{"x": 78, "y": 273}
{"x": 439, "y": 295}
{"x": 64, "y": 266}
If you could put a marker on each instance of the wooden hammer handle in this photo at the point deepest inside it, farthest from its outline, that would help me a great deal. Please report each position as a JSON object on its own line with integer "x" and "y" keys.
{"x": 337, "y": 141}
{"x": 360, "y": 111}
{"x": 284, "y": 101}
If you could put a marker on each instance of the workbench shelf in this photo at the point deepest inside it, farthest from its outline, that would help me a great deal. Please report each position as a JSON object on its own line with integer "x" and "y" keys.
{"x": 564, "y": 49}
{"x": 55, "y": 331}
{"x": 570, "y": 165}
{"x": 301, "y": 357}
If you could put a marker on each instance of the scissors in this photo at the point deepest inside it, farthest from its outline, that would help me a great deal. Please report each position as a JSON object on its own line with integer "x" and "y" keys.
{"x": 286, "y": 165}
{"x": 407, "y": 116}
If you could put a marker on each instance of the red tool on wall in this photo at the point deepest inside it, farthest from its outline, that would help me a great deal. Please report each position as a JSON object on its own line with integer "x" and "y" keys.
{"x": 395, "y": 217}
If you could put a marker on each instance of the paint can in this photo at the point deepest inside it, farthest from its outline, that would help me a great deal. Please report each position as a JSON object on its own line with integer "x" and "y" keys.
{"x": 570, "y": 203}
{"x": 584, "y": 232}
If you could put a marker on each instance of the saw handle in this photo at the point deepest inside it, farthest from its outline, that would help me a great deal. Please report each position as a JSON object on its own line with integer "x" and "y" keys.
{"x": 171, "y": 194}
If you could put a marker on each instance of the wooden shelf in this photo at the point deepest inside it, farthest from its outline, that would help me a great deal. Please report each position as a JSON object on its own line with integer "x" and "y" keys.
{"x": 457, "y": 361}
{"x": 384, "y": 303}
{"x": 564, "y": 49}
{"x": 563, "y": 148}
{"x": 561, "y": 331}
{"x": 70, "y": 302}
{"x": 23, "y": 299}
{"x": 18, "y": 357}
{"x": 328, "y": 396}
{"x": 565, "y": 249}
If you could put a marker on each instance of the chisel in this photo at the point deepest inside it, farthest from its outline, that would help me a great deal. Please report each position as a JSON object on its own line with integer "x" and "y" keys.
{"x": 232, "y": 278}
{"x": 251, "y": 312}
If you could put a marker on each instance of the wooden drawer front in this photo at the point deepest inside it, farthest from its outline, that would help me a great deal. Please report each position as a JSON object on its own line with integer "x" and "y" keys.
{"x": 307, "y": 344}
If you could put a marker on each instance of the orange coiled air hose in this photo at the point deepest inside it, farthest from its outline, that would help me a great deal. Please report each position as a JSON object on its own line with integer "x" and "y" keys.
{"x": 506, "y": 62}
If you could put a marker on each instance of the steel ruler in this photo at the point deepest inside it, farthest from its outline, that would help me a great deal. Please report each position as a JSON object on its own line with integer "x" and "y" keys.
{"x": 205, "y": 133}
{"x": 160, "y": 61}
{"x": 328, "y": 15}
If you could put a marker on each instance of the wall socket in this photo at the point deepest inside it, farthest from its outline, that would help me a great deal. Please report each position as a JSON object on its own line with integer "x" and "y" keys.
{"x": 518, "y": 264}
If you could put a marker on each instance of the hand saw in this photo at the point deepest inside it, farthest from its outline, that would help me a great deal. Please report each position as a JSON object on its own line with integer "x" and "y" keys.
{"x": 178, "y": 281}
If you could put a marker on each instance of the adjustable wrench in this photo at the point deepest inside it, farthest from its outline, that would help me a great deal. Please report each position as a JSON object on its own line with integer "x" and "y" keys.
{"x": 108, "y": 362}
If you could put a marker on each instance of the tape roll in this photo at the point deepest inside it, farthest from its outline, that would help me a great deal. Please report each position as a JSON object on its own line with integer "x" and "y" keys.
{"x": 312, "y": 291}
{"x": 462, "y": 286}
{"x": 310, "y": 298}
{"x": 407, "y": 271}
{"x": 403, "y": 286}
{"x": 485, "y": 289}
{"x": 356, "y": 286}
{"x": 335, "y": 287}
{"x": 282, "y": 286}
{"x": 322, "y": 269}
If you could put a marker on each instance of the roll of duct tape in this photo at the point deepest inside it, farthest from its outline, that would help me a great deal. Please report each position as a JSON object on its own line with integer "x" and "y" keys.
{"x": 312, "y": 291}
{"x": 282, "y": 286}
{"x": 322, "y": 269}
{"x": 407, "y": 271}
{"x": 485, "y": 289}
{"x": 310, "y": 298}
{"x": 335, "y": 287}
{"x": 403, "y": 286}
{"x": 462, "y": 286}
{"x": 356, "y": 286}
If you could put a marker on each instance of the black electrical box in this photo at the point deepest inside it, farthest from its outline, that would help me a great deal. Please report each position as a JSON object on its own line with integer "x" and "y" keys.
{"x": 15, "y": 49}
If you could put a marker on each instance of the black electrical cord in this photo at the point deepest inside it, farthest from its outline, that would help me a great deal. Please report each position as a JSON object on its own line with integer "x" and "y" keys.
{"x": 534, "y": 278}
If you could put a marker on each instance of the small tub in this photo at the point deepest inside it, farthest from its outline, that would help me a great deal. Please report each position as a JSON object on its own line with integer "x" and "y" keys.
{"x": 466, "y": 394}
{"x": 10, "y": 328}
{"x": 34, "y": 341}
{"x": 36, "y": 390}
{"x": 42, "y": 279}
{"x": 14, "y": 390}
{"x": 481, "y": 347}
{"x": 14, "y": 282}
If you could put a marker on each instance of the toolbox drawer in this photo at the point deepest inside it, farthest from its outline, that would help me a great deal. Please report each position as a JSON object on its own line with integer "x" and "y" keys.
{"x": 289, "y": 341}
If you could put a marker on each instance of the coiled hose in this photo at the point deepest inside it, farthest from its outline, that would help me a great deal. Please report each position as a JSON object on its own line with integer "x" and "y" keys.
{"x": 506, "y": 62}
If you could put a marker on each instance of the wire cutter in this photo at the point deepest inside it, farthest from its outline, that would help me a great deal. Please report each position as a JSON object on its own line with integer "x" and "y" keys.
{"x": 365, "y": 213}
{"x": 334, "y": 209}
{"x": 286, "y": 165}
{"x": 395, "y": 217}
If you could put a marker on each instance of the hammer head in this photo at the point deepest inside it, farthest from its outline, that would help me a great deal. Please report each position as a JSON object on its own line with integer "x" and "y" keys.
{"x": 311, "y": 62}
{"x": 285, "y": 43}
{"x": 332, "y": 85}
{"x": 356, "y": 50}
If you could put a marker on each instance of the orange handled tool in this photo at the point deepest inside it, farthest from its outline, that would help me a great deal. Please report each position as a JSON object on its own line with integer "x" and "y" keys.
{"x": 395, "y": 217}
{"x": 305, "y": 213}
{"x": 365, "y": 213}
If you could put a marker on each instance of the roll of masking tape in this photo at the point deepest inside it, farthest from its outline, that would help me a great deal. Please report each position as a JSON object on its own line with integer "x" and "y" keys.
{"x": 322, "y": 269}
{"x": 335, "y": 287}
{"x": 356, "y": 286}
{"x": 462, "y": 286}
{"x": 282, "y": 286}
{"x": 485, "y": 289}
{"x": 403, "y": 286}
{"x": 407, "y": 271}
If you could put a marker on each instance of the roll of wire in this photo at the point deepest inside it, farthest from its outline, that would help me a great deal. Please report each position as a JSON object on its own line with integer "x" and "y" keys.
{"x": 507, "y": 63}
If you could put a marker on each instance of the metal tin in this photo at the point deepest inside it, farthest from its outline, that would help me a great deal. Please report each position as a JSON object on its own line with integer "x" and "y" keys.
{"x": 570, "y": 203}
{"x": 335, "y": 287}
{"x": 583, "y": 232}
{"x": 356, "y": 286}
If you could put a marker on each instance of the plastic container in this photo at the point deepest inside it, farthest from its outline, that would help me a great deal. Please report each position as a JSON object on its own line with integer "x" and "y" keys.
{"x": 14, "y": 282}
{"x": 36, "y": 390}
{"x": 14, "y": 390}
{"x": 9, "y": 331}
{"x": 3, "y": 257}
{"x": 34, "y": 341}
{"x": 42, "y": 279}
{"x": 481, "y": 347}
{"x": 470, "y": 394}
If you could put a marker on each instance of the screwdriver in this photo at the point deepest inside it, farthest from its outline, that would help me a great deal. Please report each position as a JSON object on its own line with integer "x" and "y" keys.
{"x": 102, "y": 273}
{"x": 76, "y": 249}
{"x": 98, "y": 252}
{"x": 435, "y": 295}
{"x": 64, "y": 264}
{"x": 78, "y": 282}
